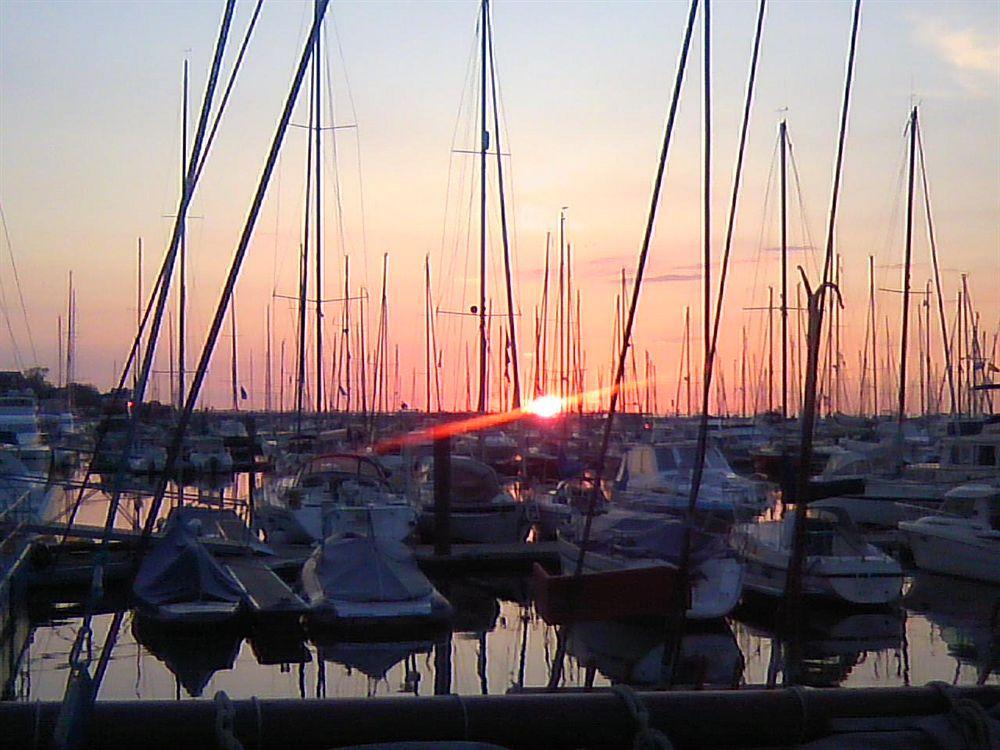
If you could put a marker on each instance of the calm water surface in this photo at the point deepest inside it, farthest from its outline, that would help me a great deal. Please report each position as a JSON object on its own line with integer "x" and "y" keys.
{"x": 943, "y": 632}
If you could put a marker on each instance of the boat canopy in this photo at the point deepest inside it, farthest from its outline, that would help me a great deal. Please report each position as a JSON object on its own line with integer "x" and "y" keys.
{"x": 180, "y": 569}
{"x": 358, "y": 568}
{"x": 647, "y": 535}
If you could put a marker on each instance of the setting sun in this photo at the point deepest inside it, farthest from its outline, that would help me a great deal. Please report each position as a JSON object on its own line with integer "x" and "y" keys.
{"x": 544, "y": 406}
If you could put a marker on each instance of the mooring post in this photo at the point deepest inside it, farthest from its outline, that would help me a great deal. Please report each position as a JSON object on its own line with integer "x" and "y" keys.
{"x": 442, "y": 496}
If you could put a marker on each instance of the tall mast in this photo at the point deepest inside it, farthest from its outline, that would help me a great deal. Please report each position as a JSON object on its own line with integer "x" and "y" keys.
{"x": 568, "y": 323}
{"x": 743, "y": 376}
{"x": 267, "y": 364}
{"x": 59, "y": 355}
{"x": 346, "y": 332}
{"x": 427, "y": 329}
{"x": 318, "y": 214}
{"x": 783, "y": 134}
{"x": 70, "y": 314}
{"x": 232, "y": 353}
{"x": 927, "y": 348}
{"x": 874, "y": 324}
{"x": 561, "y": 313}
{"x": 138, "y": 312}
{"x": 687, "y": 348}
{"x": 484, "y": 143}
{"x": 512, "y": 336}
{"x": 770, "y": 348}
{"x": 544, "y": 371}
{"x": 182, "y": 252}
{"x": 906, "y": 268}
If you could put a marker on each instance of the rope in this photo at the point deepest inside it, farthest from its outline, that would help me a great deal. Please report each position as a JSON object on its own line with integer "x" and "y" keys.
{"x": 225, "y": 716}
{"x": 800, "y": 695}
{"x": 969, "y": 719}
{"x": 645, "y": 737}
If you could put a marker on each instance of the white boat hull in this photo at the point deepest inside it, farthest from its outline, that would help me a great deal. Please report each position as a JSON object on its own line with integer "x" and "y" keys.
{"x": 967, "y": 558}
{"x": 715, "y": 589}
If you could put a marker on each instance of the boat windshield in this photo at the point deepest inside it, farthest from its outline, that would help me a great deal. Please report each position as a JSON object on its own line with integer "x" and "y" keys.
{"x": 683, "y": 457}
{"x": 343, "y": 465}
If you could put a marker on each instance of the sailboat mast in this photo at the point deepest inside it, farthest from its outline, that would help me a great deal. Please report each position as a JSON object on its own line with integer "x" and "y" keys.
{"x": 544, "y": 368}
{"x": 267, "y": 364}
{"x": 512, "y": 336}
{"x": 138, "y": 313}
{"x": 232, "y": 352}
{"x": 346, "y": 333}
{"x": 59, "y": 355}
{"x": 783, "y": 135}
{"x": 906, "y": 268}
{"x": 182, "y": 252}
{"x": 770, "y": 348}
{"x": 484, "y": 142}
{"x": 318, "y": 212}
{"x": 874, "y": 324}
{"x": 69, "y": 332}
{"x": 561, "y": 313}
{"x": 427, "y": 329}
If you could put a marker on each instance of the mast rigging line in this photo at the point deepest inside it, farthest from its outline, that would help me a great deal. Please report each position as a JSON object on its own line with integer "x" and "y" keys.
{"x": 155, "y": 291}
{"x": 630, "y": 320}
{"x": 701, "y": 448}
{"x": 80, "y": 667}
{"x": 817, "y": 300}
{"x": 20, "y": 294}
{"x": 937, "y": 273}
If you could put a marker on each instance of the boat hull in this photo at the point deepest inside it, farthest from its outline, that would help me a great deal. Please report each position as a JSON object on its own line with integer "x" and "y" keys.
{"x": 716, "y": 585}
{"x": 965, "y": 558}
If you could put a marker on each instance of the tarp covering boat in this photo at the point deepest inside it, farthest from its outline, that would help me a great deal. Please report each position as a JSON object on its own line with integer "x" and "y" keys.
{"x": 356, "y": 568}
{"x": 472, "y": 482}
{"x": 646, "y": 535}
{"x": 180, "y": 569}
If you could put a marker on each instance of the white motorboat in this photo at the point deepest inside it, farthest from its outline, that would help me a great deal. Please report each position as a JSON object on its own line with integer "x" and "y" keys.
{"x": 25, "y": 496}
{"x": 963, "y": 539}
{"x": 481, "y": 511}
{"x": 208, "y": 454}
{"x": 556, "y": 508}
{"x": 624, "y": 540}
{"x": 658, "y": 476}
{"x": 363, "y": 584}
{"x": 334, "y": 494}
{"x": 839, "y": 565}
{"x": 180, "y": 584}
{"x": 19, "y": 428}
{"x": 909, "y": 492}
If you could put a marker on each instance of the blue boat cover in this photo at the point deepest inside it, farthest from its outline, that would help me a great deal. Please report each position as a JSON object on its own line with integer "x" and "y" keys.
{"x": 653, "y": 535}
{"x": 179, "y": 569}
{"x": 360, "y": 569}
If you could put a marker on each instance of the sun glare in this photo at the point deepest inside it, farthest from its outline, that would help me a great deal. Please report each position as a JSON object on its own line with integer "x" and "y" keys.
{"x": 545, "y": 406}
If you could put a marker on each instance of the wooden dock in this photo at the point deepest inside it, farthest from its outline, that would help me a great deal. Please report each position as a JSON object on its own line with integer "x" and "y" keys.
{"x": 268, "y": 595}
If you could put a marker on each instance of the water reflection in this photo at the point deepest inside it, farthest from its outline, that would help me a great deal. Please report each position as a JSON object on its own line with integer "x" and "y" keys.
{"x": 966, "y": 616}
{"x": 634, "y": 653}
{"x": 501, "y": 645}
{"x": 946, "y": 630}
{"x": 827, "y": 647}
{"x": 192, "y": 657}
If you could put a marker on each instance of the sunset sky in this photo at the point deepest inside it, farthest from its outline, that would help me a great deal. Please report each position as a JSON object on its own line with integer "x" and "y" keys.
{"x": 90, "y": 120}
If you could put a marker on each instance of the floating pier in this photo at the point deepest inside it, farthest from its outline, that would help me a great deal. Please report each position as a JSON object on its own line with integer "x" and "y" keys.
{"x": 591, "y": 719}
